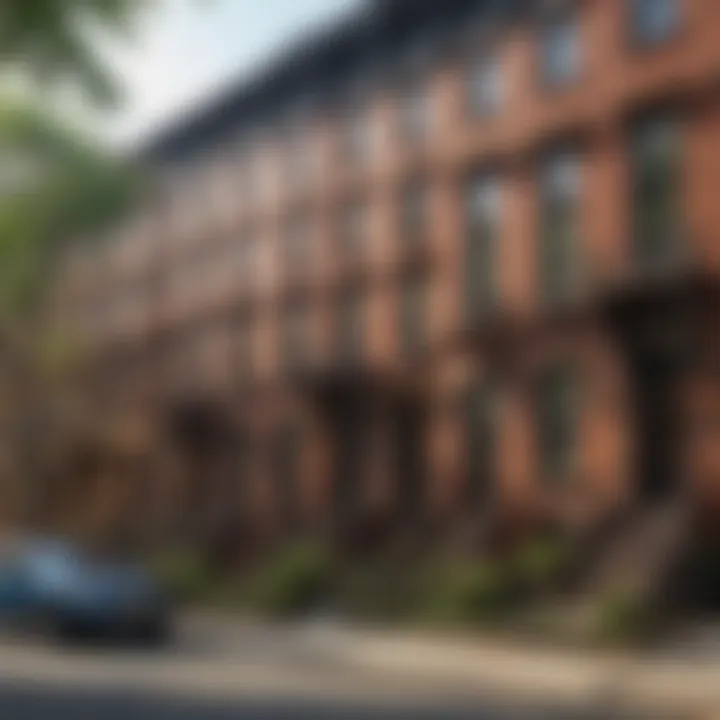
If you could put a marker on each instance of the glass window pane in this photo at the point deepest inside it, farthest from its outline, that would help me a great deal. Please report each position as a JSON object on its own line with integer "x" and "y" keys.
{"x": 416, "y": 114}
{"x": 483, "y": 251}
{"x": 559, "y": 237}
{"x": 412, "y": 315}
{"x": 558, "y": 422}
{"x": 657, "y": 193}
{"x": 561, "y": 50}
{"x": 414, "y": 211}
{"x": 655, "y": 20}
{"x": 486, "y": 86}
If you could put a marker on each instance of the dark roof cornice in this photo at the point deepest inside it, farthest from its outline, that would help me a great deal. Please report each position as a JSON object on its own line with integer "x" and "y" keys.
{"x": 323, "y": 58}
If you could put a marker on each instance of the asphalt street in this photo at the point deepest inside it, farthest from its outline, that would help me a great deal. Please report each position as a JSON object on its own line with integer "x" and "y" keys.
{"x": 39, "y": 702}
{"x": 223, "y": 670}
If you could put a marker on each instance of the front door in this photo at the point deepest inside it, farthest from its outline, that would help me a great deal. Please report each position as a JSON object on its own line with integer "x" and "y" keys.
{"x": 410, "y": 460}
{"x": 480, "y": 439}
{"x": 659, "y": 426}
{"x": 351, "y": 434}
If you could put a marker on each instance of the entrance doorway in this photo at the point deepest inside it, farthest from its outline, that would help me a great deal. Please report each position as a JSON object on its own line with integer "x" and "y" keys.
{"x": 351, "y": 432}
{"x": 480, "y": 442}
{"x": 655, "y": 381}
{"x": 410, "y": 461}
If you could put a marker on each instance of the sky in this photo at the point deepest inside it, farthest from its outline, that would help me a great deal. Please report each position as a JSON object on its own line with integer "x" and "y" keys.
{"x": 183, "y": 51}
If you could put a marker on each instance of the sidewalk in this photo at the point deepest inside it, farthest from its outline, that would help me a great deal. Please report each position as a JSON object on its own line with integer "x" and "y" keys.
{"x": 559, "y": 676}
{"x": 226, "y": 657}
{"x": 667, "y": 683}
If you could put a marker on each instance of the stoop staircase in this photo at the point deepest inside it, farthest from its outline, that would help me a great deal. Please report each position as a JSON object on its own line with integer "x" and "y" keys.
{"x": 646, "y": 551}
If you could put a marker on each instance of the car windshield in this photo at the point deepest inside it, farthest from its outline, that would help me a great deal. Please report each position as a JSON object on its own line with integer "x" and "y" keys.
{"x": 56, "y": 565}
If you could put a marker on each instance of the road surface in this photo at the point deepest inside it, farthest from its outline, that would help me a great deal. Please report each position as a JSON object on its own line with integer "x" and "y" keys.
{"x": 223, "y": 671}
{"x": 40, "y": 702}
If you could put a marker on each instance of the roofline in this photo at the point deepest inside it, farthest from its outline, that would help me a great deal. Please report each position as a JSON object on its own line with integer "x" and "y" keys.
{"x": 238, "y": 101}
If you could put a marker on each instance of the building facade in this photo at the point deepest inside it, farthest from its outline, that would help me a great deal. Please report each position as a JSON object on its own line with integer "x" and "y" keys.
{"x": 443, "y": 262}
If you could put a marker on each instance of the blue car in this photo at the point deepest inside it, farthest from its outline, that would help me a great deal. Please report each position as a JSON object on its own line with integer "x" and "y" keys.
{"x": 53, "y": 587}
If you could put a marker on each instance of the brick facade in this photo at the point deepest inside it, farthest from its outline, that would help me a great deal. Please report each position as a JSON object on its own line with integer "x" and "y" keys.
{"x": 192, "y": 300}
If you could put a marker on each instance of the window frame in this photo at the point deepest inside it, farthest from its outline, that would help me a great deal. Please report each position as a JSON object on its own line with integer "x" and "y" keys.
{"x": 354, "y": 235}
{"x": 560, "y": 216}
{"x": 669, "y": 244}
{"x": 298, "y": 245}
{"x": 477, "y": 103}
{"x": 568, "y": 18}
{"x": 557, "y": 464}
{"x": 416, "y": 113}
{"x": 645, "y": 39}
{"x": 350, "y": 332}
{"x": 297, "y": 332}
{"x": 415, "y": 212}
{"x": 413, "y": 314}
{"x": 483, "y": 297}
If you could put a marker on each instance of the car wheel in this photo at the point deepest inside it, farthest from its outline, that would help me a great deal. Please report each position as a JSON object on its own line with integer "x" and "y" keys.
{"x": 154, "y": 632}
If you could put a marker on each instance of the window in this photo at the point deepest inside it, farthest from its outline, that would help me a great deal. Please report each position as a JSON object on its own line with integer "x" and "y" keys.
{"x": 357, "y": 136}
{"x": 248, "y": 173}
{"x": 298, "y": 245}
{"x": 354, "y": 230}
{"x": 654, "y": 21}
{"x": 416, "y": 115}
{"x": 243, "y": 347}
{"x": 414, "y": 210}
{"x": 185, "y": 202}
{"x": 351, "y": 321}
{"x": 559, "y": 235}
{"x": 483, "y": 245}
{"x": 297, "y": 334}
{"x": 558, "y": 422}
{"x": 265, "y": 175}
{"x": 300, "y": 157}
{"x": 656, "y": 160}
{"x": 561, "y": 50}
{"x": 481, "y": 435}
{"x": 413, "y": 305}
{"x": 213, "y": 354}
{"x": 219, "y": 190}
{"x": 247, "y": 260}
{"x": 486, "y": 86}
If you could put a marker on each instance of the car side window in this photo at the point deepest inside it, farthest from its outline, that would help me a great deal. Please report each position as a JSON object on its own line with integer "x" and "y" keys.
{"x": 13, "y": 582}
{"x": 52, "y": 569}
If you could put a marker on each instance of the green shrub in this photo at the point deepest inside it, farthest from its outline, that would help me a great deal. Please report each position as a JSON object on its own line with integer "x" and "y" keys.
{"x": 293, "y": 581}
{"x": 473, "y": 592}
{"x": 379, "y": 591}
{"x": 542, "y": 562}
{"x": 187, "y": 575}
{"x": 623, "y": 615}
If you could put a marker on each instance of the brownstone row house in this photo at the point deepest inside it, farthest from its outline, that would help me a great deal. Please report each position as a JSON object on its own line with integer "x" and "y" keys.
{"x": 443, "y": 261}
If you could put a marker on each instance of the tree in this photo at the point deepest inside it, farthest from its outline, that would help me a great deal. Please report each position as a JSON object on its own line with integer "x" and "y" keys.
{"x": 52, "y": 38}
{"x": 70, "y": 189}
{"x": 54, "y": 187}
